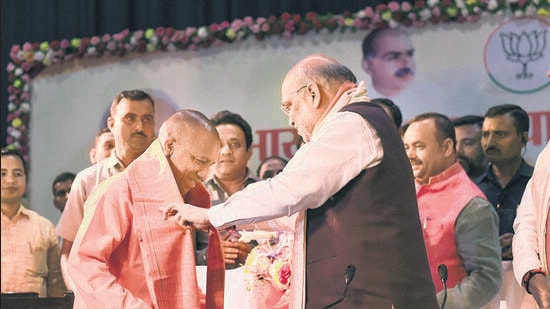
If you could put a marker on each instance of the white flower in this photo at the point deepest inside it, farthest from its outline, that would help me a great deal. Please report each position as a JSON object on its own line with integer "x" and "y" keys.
{"x": 518, "y": 13}
{"x": 48, "y": 58}
{"x": 11, "y": 107}
{"x": 493, "y": 4}
{"x": 18, "y": 71}
{"x": 459, "y": 4}
{"x": 393, "y": 24}
{"x": 25, "y": 107}
{"x": 531, "y": 10}
{"x": 16, "y": 134}
{"x": 425, "y": 14}
{"x": 39, "y": 56}
{"x": 202, "y": 32}
{"x": 432, "y": 3}
{"x": 361, "y": 14}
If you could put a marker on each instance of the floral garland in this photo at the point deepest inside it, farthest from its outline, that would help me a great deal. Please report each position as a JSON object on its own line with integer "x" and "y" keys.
{"x": 30, "y": 59}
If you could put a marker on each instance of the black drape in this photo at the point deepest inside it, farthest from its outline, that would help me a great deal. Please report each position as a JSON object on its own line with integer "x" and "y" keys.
{"x": 43, "y": 20}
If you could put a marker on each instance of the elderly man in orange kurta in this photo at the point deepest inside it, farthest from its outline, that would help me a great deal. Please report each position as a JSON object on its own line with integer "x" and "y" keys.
{"x": 127, "y": 254}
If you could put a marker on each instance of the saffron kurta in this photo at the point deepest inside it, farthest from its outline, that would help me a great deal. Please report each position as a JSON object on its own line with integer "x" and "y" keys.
{"x": 125, "y": 255}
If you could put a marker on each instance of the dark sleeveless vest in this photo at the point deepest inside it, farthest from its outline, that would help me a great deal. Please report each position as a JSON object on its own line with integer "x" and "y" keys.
{"x": 373, "y": 224}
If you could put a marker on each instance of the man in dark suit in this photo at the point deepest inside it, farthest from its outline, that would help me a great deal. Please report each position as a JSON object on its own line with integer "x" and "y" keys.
{"x": 351, "y": 183}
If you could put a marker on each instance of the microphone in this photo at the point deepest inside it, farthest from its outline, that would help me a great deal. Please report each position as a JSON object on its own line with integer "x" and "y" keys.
{"x": 350, "y": 273}
{"x": 443, "y": 273}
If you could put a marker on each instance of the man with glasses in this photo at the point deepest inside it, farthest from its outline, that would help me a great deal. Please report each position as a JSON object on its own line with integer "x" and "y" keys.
{"x": 351, "y": 180}
{"x": 61, "y": 187}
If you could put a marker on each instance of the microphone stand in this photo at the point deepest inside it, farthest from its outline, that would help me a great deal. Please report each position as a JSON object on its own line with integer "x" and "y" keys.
{"x": 442, "y": 271}
{"x": 350, "y": 273}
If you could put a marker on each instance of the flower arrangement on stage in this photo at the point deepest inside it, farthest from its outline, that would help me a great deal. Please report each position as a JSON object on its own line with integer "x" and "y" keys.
{"x": 268, "y": 268}
{"x": 29, "y": 59}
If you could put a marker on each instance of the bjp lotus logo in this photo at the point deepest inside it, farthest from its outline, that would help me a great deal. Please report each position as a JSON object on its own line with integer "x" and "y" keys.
{"x": 524, "y": 48}
{"x": 516, "y": 55}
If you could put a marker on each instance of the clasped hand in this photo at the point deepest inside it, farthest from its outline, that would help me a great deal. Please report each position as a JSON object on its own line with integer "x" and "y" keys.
{"x": 187, "y": 216}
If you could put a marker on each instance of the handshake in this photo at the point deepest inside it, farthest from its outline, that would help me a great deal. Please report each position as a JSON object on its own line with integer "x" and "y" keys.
{"x": 187, "y": 215}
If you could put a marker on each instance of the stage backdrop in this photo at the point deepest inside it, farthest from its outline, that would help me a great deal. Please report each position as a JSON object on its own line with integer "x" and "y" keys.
{"x": 456, "y": 75}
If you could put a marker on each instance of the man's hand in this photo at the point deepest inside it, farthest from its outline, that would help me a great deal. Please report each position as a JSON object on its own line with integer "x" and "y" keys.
{"x": 234, "y": 252}
{"x": 539, "y": 286}
{"x": 506, "y": 244}
{"x": 187, "y": 215}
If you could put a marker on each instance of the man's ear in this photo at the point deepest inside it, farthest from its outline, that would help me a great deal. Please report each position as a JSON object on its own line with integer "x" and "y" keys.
{"x": 168, "y": 147}
{"x": 448, "y": 147}
{"x": 525, "y": 138}
{"x": 110, "y": 123}
{"x": 314, "y": 94}
{"x": 92, "y": 155}
{"x": 365, "y": 65}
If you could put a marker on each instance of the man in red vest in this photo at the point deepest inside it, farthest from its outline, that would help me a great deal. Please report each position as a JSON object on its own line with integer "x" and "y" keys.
{"x": 460, "y": 226}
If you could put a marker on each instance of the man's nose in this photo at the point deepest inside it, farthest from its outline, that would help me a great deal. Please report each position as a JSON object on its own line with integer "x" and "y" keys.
{"x": 459, "y": 148}
{"x": 225, "y": 149}
{"x": 203, "y": 173}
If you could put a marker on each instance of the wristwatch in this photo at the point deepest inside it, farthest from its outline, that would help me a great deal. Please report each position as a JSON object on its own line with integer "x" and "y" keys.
{"x": 529, "y": 275}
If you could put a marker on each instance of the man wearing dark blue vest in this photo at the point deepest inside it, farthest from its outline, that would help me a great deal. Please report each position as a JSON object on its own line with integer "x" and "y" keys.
{"x": 350, "y": 188}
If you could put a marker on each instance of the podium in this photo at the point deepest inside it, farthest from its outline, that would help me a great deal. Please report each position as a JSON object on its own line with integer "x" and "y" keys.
{"x": 32, "y": 301}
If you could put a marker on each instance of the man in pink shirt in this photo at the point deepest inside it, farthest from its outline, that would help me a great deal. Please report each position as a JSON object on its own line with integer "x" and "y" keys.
{"x": 126, "y": 253}
{"x": 132, "y": 123}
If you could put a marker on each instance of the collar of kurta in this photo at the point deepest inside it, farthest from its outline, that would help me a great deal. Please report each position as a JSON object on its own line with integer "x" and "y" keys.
{"x": 153, "y": 186}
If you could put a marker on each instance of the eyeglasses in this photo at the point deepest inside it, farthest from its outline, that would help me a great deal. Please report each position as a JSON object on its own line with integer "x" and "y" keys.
{"x": 285, "y": 107}
{"x": 61, "y": 193}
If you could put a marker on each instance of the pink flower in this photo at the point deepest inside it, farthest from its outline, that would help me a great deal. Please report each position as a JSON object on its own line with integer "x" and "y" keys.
{"x": 160, "y": 31}
{"x": 248, "y": 21}
{"x": 95, "y": 40}
{"x": 27, "y": 47}
{"x": 190, "y": 31}
{"x": 214, "y": 27}
{"x": 237, "y": 24}
{"x": 393, "y": 6}
{"x": 65, "y": 44}
{"x": 225, "y": 24}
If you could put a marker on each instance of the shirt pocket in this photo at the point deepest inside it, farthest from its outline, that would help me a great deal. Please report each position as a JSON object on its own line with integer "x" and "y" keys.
{"x": 433, "y": 230}
{"x": 36, "y": 261}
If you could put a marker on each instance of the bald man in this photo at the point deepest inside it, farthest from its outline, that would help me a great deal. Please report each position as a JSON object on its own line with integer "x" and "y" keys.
{"x": 352, "y": 180}
{"x": 126, "y": 254}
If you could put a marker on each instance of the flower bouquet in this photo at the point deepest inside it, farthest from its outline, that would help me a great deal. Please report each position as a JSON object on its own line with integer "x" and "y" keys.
{"x": 267, "y": 272}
